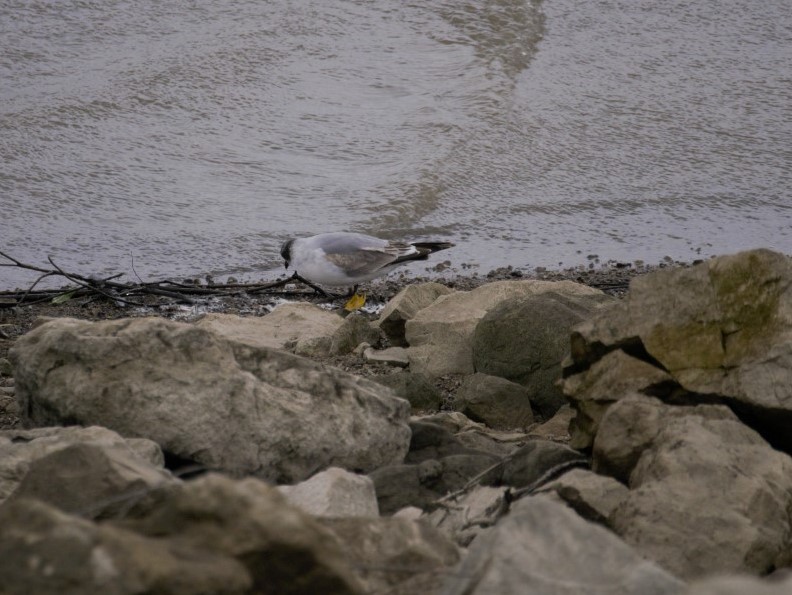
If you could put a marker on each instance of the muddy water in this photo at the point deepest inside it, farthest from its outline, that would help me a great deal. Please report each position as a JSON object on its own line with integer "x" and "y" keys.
{"x": 187, "y": 138}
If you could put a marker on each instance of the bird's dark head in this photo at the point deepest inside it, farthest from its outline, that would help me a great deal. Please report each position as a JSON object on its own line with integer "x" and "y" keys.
{"x": 286, "y": 251}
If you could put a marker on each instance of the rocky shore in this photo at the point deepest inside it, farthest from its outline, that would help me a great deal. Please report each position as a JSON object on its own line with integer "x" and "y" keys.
{"x": 479, "y": 436}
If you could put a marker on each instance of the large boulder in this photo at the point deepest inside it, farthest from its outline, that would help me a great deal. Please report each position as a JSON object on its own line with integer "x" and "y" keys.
{"x": 399, "y": 486}
{"x": 532, "y": 461}
{"x": 406, "y": 304}
{"x": 722, "y": 328}
{"x": 595, "y": 389}
{"x": 441, "y": 335}
{"x": 525, "y": 338}
{"x": 294, "y": 326}
{"x": 19, "y": 449}
{"x": 43, "y": 550}
{"x": 707, "y": 493}
{"x": 93, "y": 481}
{"x": 224, "y": 403}
{"x": 741, "y": 585}
{"x": 544, "y": 547}
{"x": 494, "y": 401}
{"x": 283, "y": 549}
{"x": 394, "y": 555}
{"x": 592, "y": 496}
{"x": 415, "y": 388}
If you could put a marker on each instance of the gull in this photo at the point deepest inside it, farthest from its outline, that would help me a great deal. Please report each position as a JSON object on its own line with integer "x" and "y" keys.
{"x": 348, "y": 259}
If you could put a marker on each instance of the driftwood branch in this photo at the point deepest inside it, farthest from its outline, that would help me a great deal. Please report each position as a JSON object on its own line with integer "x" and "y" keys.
{"x": 164, "y": 292}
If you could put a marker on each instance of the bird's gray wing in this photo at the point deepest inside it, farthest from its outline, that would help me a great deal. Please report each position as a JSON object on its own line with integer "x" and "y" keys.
{"x": 362, "y": 262}
{"x": 363, "y": 255}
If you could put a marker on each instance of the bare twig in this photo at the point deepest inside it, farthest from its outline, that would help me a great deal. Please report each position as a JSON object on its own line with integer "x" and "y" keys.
{"x": 108, "y": 288}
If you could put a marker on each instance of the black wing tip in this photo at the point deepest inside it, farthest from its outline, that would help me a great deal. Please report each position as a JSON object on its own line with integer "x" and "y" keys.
{"x": 432, "y": 246}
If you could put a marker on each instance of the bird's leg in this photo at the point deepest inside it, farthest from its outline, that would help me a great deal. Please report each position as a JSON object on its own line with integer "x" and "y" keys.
{"x": 316, "y": 288}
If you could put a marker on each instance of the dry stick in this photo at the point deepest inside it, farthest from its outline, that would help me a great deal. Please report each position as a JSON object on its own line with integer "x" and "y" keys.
{"x": 172, "y": 289}
{"x": 88, "y": 285}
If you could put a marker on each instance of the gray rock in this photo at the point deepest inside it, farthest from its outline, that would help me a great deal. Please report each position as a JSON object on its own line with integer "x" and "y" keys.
{"x": 354, "y": 330}
{"x": 477, "y": 436}
{"x": 441, "y": 335}
{"x": 608, "y": 380}
{"x": 226, "y": 404}
{"x": 404, "y": 306}
{"x": 707, "y": 493}
{"x": 298, "y": 327}
{"x": 556, "y": 428}
{"x": 741, "y": 585}
{"x": 334, "y": 493}
{"x": 469, "y": 514}
{"x": 415, "y": 388}
{"x": 524, "y": 339}
{"x": 723, "y": 327}
{"x": 20, "y": 448}
{"x": 433, "y": 441}
{"x": 592, "y": 496}
{"x": 532, "y": 461}
{"x": 393, "y": 356}
{"x": 93, "y": 481}
{"x": 544, "y": 547}
{"x": 395, "y": 555}
{"x": 5, "y": 367}
{"x": 495, "y": 402}
{"x": 43, "y": 550}
{"x": 399, "y": 486}
{"x": 283, "y": 549}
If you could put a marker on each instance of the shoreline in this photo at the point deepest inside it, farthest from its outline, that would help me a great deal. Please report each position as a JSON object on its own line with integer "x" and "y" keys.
{"x": 612, "y": 278}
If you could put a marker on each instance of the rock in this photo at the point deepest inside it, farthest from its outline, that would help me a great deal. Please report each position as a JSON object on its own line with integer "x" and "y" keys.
{"x": 441, "y": 335}
{"x": 20, "y": 448}
{"x": 5, "y": 367}
{"x": 723, "y": 327}
{"x": 611, "y": 378}
{"x": 496, "y": 402}
{"x": 544, "y": 547}
{"x": 393, "y": 356}
{"x": 395, "y": 555}
{"x": 298, "y": 327}
{"x": 92, "y": 481}
{"x": 226, "y": 404}
{"x": 283, "y": 549}
{"x": 461, "y": 519}
{"x": 43, "y": 550}
{"x": 433, "y": 441}
{"x": 399, "y": 486}
{"x": 556, "y": 428}
{"x": 707, "y": 493}
{"x": 532, "y": 461}
{"x": 524, "y": 339}
{"x": 741, "y": 585}
{"x": 334, "y": 493}
{"x": 594, "y": 497}
{"x": 404, "y": 305}
{"x": 415, "y": 388}
{"x": 354, "y": 330}
{"x": 477, "y": 436}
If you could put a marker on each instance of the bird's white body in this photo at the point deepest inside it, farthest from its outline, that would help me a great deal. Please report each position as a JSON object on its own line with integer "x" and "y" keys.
{"x": 346, "y": 259}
